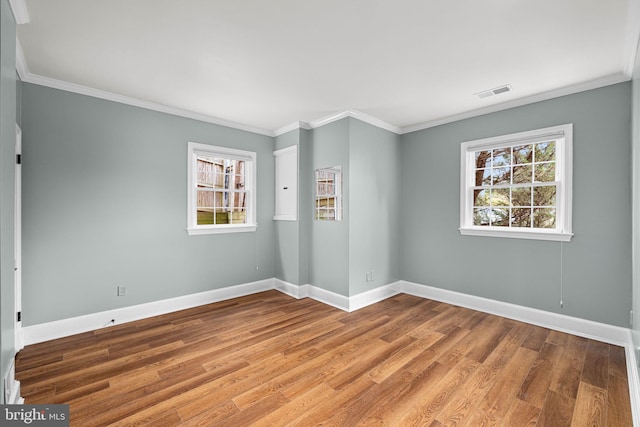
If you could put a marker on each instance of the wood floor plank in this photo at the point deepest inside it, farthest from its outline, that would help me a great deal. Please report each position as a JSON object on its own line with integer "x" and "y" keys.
{"x": 557, "y": 410}
{"x": 522, "y": 414}
{"x": 591, "y": 406}
{"x": 618, "y": 403}
{"x": 568, "y": 371}
{"x": 617, "y": 361}
{"x": 463, "y": 403}
{"x": 396, "y": 361}
{"x": 499, "y": 398}
{"x": 270, "y": 360}
{"x": 345, "y": 399}
{"x": 425, "y": 403}
{"x": 408, "y": 397}
{"x": 536, "y": 385}
{"x": 291, "y": 411}
{"x": 596, "y": 367}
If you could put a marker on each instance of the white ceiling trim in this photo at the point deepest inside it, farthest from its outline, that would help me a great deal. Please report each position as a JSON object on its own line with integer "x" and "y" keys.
{"x": 339, "y": 116}
{"x": 568, "y": 90}
{"x": 110, "y": 96}
{"x": 632, "y": 36}
{"x": 20, "y": 11}
{"x": 290, "y": 127}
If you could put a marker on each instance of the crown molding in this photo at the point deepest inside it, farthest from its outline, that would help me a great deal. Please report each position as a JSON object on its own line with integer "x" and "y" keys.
{"x": 110, "y": 96}
{"x": 356, "y": 115}
{"x": 290, "y": 127}
{"x": 20, "y": 11}
{"x": 364, "y": 117}
{"x": 26, "y": 76}
{"x": 556, "y": 93}
{"x": 339, "y": 116}
{"x": 632, "y": 37}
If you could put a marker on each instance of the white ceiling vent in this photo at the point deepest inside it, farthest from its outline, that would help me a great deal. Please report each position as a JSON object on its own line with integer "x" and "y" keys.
{"x": 494, "y": 91}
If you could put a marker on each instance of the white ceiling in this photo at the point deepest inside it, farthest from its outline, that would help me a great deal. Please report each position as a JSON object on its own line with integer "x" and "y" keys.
{"x": 263, "y": 65}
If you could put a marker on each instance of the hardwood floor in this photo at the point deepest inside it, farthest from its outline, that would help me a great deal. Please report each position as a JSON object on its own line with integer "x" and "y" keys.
{"x": 270, "y": 360}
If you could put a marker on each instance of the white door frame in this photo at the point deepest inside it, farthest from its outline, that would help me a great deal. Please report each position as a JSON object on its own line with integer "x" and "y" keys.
{"x": 19, "y": 336}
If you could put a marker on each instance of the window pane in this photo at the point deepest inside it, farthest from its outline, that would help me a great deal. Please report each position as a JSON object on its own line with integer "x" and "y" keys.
{"x": 500, "y": 217}
{"x": 544, "y": 217}
{"x": 205, "y": 217}
{"x": 501, "y": 175}
{"x": 205, "y": 199}
{"x": 544, "y": 196}
{"x": 500, "y": 197}
{"x": 238, "y": 216}
{"x": 325, "y": 202}
{"x": 326, "y": 214}
{"x": 481, "y": 216}
{"x": 545, "y": 151}
{"x": 206, "y": 172}
{"x": 521, "y": 196}
{"x": 480, "y": 197}
{"x": 521, "y": 217}
{"x": 545, "y": 172}
{"x": 483, "y": 159}
{"x": 522, "y": 154}
{"x": 522, "y": 174}
{"x": 483, "y": 177}
{"x": 501, "y": 157}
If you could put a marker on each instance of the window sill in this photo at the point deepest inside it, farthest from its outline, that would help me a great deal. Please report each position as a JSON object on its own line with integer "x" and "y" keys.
{"x": 221, "y": 229}
{"x": 551, "y": 235}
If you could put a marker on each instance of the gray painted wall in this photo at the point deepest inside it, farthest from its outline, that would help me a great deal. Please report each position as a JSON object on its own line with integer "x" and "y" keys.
{"x": 7, "y": 186}
{"x": 596, "y": 264}
{"x": 329, "y": 240}
{"x": 105, "y": 192}
{"x": 374, "y": 200}
{"x": 104, "y": 204}
{"x": 339, "y": 254}
{"x": 305, "y": 204}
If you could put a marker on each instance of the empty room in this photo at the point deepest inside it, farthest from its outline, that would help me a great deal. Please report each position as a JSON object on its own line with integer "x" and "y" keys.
{"x": 339, "y": 213}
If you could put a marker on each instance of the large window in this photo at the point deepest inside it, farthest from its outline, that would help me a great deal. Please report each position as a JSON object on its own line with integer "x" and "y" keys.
{"x": 221, "y": 190}
{"x": 518, "y": 185}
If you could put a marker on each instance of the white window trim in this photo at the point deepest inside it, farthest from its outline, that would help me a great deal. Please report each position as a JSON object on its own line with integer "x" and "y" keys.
{"x": 195, "y": 149}
{"x": 564, "y": 168}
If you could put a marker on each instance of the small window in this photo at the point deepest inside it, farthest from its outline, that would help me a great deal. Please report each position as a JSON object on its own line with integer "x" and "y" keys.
{"x": 221, "y": 190}
{"x": 518, "y": 185}
{"x": 328, "y": 183}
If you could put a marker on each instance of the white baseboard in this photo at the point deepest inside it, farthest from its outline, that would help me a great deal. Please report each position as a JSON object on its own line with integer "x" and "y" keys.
{"x": 309, "y": 291}
{"x": 341, "y": 302}
{"x": 559, "y": 322}
{"x": 581, "y": 327}
{"x": 633, "y": 379}
{"x": 12, "y": 387}
{"x": 75, "y": 325}
{"x": 572, "y": 325}
{"x": 373, "y": 296}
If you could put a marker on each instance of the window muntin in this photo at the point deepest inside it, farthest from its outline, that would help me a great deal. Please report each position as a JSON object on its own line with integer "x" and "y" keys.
{"x": 518, "y": 185}
{"x": 221, "y": 189}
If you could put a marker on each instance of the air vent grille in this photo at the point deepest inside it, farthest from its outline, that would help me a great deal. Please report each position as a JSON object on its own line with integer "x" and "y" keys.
{"x": 494, "y": 91}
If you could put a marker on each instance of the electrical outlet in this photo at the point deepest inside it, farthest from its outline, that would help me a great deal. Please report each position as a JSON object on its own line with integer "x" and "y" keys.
{"x": 122, "y": 291}
{"x": 369, "y": 276}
